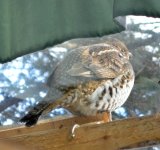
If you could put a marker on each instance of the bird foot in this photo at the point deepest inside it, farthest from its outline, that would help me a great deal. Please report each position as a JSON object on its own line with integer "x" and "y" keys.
{"x": 73, "y": 130}
{"x": 106, "y": 117}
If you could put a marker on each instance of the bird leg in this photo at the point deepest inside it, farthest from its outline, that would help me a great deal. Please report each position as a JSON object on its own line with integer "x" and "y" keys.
{"x": 107, "y": 116}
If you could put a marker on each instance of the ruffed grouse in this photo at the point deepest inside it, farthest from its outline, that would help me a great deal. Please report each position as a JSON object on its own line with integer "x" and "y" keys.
{"x": 89, "y": 80}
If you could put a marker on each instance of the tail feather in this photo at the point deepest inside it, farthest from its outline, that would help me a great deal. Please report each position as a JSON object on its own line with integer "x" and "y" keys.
{"x": 33, "y": 115}
{"x": 41, "y": 108}
{"x": 30, "y": 119}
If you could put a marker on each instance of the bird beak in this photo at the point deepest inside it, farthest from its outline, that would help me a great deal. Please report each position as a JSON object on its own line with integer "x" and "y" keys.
{"x": 130, "y": 55}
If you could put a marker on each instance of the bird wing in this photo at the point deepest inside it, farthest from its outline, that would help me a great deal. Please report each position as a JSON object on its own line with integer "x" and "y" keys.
{"x": 104, "y": 64}
{"x": 84, "y": 64}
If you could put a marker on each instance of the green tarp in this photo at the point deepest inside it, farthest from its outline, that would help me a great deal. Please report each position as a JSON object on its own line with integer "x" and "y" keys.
{"x": 30, "y": 25}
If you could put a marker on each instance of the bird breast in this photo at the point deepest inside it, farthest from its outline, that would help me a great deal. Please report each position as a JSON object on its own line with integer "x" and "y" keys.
{"x": 100, "y": 96}
{"x": 112, "y": 94}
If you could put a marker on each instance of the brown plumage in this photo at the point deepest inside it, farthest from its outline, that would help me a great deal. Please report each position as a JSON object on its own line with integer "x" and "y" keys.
{"x": 89, "y": 80}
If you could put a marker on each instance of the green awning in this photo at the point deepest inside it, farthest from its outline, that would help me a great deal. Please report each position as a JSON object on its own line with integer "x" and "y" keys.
{"x": 30, "y": 25}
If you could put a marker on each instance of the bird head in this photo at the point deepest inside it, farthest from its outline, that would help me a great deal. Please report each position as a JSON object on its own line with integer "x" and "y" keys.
{"x": 121, "y": 47}
{"x": 105, "y": 59}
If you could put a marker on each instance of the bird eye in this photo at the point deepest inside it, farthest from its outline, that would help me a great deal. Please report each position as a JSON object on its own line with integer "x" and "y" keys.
{"x": 130, "y": 55}
{"x": 120, "y": 55}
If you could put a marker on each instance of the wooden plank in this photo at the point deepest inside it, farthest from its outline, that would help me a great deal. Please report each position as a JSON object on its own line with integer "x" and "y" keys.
{"x": 55, "y": 135}
{"x": 10, "y": 146}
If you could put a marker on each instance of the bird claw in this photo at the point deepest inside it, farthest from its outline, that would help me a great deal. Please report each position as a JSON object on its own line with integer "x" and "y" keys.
{"x": 73, "y": 130}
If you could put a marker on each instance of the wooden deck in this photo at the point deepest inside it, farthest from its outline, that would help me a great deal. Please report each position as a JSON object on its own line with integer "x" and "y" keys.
{"x": 56, "y": 134}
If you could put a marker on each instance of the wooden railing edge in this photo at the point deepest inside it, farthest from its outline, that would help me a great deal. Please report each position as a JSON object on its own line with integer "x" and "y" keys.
{"x": 56, "y": 134}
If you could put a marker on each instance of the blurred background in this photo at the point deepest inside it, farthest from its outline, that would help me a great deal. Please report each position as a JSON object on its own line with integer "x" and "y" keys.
{"x": 23, "y": 80}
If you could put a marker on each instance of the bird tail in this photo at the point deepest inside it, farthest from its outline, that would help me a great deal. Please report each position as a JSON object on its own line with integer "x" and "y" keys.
{"x": 33, "y": 115}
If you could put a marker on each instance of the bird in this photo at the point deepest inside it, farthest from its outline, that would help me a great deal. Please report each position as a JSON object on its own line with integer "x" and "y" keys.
{"x": 88, "y": 81}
